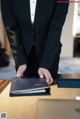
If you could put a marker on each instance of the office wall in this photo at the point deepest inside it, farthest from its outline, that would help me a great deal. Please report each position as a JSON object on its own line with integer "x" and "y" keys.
{"x": 67, "y": 36}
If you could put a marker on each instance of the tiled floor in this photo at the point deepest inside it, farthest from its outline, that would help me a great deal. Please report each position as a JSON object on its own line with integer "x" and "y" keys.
{"x": 66, "y": 66}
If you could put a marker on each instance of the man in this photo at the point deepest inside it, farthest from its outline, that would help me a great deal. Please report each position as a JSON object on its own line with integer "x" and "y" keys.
{"x": 34, "y": 28}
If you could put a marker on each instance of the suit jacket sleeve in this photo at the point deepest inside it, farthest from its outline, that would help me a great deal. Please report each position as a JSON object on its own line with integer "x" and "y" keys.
{"x": 13, "y": 32}
{"x": 52, "y": 44}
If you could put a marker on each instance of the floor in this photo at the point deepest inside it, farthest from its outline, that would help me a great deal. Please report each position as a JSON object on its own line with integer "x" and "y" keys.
{"x": 66, "y": 66}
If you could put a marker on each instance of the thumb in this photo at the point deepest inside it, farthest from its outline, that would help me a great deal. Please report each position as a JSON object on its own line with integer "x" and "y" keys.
{"x": 19, "y": 73}
{"x": 21, "y": 70}
{"x": 41, "y": 75}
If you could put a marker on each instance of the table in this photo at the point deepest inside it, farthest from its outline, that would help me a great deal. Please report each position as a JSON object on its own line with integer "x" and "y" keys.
{"x": 3, "y": 84}
{"x": 25, "y": 107}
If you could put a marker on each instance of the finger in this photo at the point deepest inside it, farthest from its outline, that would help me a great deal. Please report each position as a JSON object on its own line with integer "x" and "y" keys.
{"x": 51, "y": 80}
{"x": 20, "y": 73}
{"x": 41, "y": 74}
{"x": 47, "y": 77}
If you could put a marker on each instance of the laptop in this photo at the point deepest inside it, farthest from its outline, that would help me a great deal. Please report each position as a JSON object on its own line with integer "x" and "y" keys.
{"x": 58, "y": 109}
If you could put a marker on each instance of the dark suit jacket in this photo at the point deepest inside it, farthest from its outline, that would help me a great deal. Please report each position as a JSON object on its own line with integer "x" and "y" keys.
{"x": 45, "y": 32}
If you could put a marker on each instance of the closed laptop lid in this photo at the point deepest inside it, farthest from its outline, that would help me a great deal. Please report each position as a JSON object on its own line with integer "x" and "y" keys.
{"x": 58, "y": 109}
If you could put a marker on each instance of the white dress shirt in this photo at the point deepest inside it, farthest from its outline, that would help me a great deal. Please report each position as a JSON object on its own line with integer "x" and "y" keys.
{"x": 33, "y": 9}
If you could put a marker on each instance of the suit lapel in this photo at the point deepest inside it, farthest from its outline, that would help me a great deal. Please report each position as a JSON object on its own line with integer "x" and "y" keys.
{"x": 28, "y": 12}
{"x": 38, "y": 12}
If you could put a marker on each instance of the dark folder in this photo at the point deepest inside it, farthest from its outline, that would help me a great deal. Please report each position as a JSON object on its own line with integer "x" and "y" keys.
{"x": 21, "y": 86}
{"x": 68, "y": 81}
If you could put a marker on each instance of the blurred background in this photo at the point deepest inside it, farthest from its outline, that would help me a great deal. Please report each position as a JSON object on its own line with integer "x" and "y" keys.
{"x": 70, "y": 38}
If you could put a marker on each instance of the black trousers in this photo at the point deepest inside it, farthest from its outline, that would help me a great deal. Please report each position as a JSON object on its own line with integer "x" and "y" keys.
{"x": 33, "y": 65}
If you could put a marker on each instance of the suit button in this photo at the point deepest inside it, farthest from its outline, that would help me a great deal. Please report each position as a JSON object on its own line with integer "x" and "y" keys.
{"x": 33, "y": 33}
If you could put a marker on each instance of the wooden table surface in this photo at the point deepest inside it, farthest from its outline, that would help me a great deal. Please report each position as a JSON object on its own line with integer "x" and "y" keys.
{"x": 25, "y": 107}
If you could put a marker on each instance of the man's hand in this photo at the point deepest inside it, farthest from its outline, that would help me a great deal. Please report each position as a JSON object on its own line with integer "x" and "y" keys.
{"x": 44, "y": 73}
{"x": 21, "y": 70}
